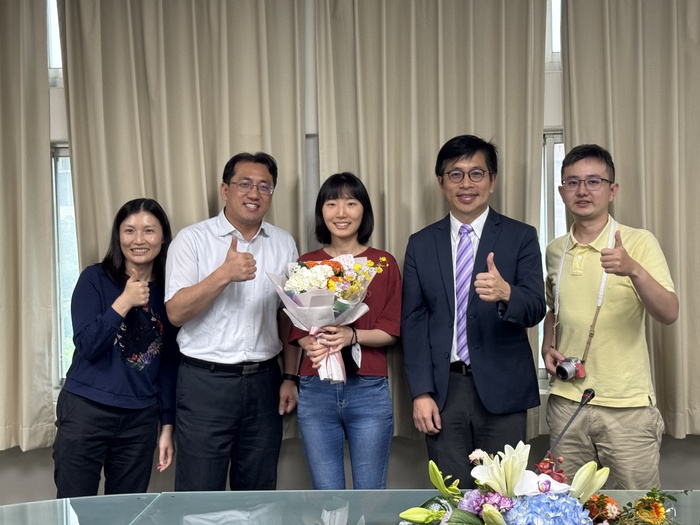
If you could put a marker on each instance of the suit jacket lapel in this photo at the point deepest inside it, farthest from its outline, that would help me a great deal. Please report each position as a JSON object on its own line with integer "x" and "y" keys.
{"x": 492, "y": 229}
{"x": 443, "y": 248}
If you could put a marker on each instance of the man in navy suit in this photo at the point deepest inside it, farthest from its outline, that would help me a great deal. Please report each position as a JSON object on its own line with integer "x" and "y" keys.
{"x": 479, "y": 400}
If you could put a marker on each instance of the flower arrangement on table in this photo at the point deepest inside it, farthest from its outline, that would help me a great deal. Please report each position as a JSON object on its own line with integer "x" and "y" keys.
{"x": 508, "y": 494}
{"x": 327, "y": 293}
{"x": 649, "y": 508}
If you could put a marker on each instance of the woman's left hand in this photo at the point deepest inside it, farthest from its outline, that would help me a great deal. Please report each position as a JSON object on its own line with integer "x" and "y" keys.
{"x": 165, "y": 448}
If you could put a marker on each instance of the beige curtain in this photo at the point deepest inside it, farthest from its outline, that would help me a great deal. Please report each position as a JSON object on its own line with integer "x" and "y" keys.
{"x": 397, "y": 78}
{"x": 631, "y": 77}
{"x": 26, "y": 310}
{"x": 161, "y": 94}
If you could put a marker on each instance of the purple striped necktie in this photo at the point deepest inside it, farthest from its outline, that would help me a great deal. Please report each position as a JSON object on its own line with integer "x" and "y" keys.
{"x": 463, "y": 277}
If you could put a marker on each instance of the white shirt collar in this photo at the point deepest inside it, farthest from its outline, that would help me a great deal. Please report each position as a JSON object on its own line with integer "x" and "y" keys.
{"x": 226, "y": 228}
{"x": 477, "y": 224}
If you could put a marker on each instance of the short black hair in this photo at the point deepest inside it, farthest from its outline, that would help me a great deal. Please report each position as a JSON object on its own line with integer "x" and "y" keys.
{"x": 339, "y": 186}
{"x": 259, "y": 158}
{"x": 589, "y": 151}
{"x": 113, "y": 262}
{"x": 465, "y": 146}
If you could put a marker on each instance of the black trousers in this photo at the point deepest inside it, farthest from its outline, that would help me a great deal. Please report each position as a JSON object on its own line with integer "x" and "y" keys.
{"x": 92, "y": 436}
{"x": 227, "y": 419}
{"x": 466, "y": 426}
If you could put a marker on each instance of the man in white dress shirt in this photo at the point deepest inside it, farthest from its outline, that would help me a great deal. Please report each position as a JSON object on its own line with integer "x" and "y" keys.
{"x": 231, "y": 394}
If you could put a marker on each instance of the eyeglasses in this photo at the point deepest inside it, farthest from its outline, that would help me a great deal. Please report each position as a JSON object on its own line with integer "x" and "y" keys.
{"x": 475, "y": 175}
{"x": 591, "y": 183}
{"x": 246, "y": 187}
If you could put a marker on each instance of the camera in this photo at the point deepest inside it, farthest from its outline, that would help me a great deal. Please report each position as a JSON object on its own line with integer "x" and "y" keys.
{"x": 570, "y": 368}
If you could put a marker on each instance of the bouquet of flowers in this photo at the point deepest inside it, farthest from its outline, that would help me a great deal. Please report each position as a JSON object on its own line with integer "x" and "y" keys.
{"x": 327, "y": 293}
{"x": 508, "y": 494}
{"x": 343, "y": 278}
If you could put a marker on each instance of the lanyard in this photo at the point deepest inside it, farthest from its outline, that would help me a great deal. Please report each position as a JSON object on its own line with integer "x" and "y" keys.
{"x": 601, "y": 292}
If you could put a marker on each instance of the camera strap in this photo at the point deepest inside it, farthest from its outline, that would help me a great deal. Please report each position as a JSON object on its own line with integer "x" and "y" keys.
{"x": 601, "y": 291}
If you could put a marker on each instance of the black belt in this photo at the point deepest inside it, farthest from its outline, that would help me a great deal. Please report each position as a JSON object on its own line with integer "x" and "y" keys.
{"x": 245, "y": 368}
{"x": 461, "y": 368}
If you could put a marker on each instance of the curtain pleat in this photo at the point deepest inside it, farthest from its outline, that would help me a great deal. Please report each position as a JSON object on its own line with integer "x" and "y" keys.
{"x": 631, "y": 77}
{"x": 26, "y": 309}
{"x": 161, "y": 94}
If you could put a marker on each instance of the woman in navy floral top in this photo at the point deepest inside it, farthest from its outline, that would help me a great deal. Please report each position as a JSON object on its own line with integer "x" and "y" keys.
{"x": 121, "y": 382}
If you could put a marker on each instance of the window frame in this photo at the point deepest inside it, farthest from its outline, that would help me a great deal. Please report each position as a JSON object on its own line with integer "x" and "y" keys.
{"x": 552, "y": 214}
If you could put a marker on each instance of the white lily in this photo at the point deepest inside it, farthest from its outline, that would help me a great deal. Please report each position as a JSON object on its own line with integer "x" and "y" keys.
{"x": 588, "y": 480}
{"x": 503, "y": 472}
{"x": 491, "y": 474}
{"x": 514, "y": 464}
{"x": 532, "y": 484}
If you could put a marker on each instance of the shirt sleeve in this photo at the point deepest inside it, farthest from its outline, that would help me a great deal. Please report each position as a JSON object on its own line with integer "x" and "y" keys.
{"x": 181, "y": 267}
{"x": 95, "y": 322}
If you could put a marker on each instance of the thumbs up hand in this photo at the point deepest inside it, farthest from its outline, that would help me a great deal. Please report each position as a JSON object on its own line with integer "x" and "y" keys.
{"x": 616, "y": 260}
{"x": 136, "y": 293}
{"x": 489, "y": 285}
{"x": 239, "y": 266}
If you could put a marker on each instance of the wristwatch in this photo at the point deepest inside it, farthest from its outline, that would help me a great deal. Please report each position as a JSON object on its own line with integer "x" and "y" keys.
{"x": 291, "y": 377}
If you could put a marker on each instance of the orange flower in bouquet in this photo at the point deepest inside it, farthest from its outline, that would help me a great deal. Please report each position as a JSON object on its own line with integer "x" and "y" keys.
{"x": 602, "y": 508}
{"x": 334, "y": 265}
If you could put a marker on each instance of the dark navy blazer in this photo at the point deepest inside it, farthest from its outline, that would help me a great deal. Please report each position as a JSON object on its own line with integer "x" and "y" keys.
{"x": 502, "y": 362}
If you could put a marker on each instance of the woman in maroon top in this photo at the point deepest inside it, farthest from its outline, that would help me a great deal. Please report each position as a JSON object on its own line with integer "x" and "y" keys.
{"x": 358, "y": 410}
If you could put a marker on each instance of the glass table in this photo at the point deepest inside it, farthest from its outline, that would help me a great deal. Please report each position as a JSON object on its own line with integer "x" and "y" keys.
{"x": 351, "y": 507}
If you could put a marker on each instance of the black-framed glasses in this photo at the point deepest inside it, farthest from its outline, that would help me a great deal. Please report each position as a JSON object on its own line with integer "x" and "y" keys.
{"x": 474, "y": 174}
{"x": 591, "y": 183}
{"x": 245, "y": 186}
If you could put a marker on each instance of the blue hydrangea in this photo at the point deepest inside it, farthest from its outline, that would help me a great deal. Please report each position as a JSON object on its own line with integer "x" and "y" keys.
{"x": 547, "y": 509}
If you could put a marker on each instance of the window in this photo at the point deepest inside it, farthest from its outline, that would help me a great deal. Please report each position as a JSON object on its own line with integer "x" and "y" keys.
{"x": 66, "y": 249}
{"x": 54, "y": 43}
{"x": 553, "y": 213}
{"x": 553, "y": 39}
{"x": 552, "y": 210}
{"x": 64, "y": 226}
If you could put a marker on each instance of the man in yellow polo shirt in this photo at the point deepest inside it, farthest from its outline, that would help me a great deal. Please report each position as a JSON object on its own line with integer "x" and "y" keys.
{"x": 606, "y": 276}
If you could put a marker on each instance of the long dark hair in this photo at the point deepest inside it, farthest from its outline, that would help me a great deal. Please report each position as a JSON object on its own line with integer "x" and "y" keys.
{"x": 113, "y": 262}
{"x": 338, "y": 186}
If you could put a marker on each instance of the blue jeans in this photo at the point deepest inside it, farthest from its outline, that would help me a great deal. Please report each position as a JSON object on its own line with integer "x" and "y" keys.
{"x": 359, "y": 410}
